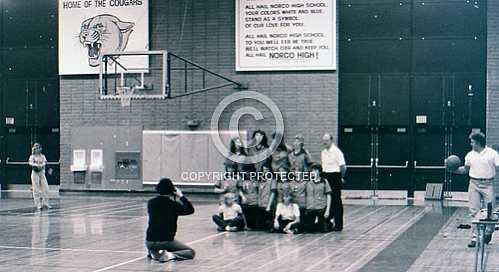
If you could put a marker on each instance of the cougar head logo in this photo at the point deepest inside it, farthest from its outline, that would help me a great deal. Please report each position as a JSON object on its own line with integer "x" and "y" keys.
{"x": 104, "y": 34}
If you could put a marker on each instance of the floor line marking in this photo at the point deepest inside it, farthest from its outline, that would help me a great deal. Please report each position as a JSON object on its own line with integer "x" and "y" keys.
{"x": 120, "y": 264}
{"x": 7, "y": 209}
{"x": 124, "y": 209}
{"x": 371, "y": 253}
{"x": 460, "y": 212}
{"x": 109, "y": 204}
{"x": 139, "y": 258}
{"x": 71, "y": 249}
{"x": 55, "y": 210}
{"x": 66, "y": 210}
{"x": 83, "y": 206}
{"x": 265, "y": 248}
{"x": 112, "y": 210}
{"x": 347, "y": 245}
{"x": 316, "y": 239}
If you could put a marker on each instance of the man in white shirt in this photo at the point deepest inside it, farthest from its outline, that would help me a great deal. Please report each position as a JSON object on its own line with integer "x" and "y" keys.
{"x": 334, "y": 169}
{"x": 480, "y": 164}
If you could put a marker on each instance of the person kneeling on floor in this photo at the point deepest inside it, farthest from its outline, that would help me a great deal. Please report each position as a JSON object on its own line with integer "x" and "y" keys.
{"x": 287, "y": 215}
{"x": 163, "y": 212}
{"x": 230, "y": 217}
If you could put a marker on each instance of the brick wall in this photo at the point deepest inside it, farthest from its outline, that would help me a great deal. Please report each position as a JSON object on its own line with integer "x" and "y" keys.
{"x": 308, "y": 100}
{"x": 492, "y": 71}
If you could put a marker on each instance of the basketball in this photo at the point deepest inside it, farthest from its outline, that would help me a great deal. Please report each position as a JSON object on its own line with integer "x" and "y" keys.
{"x": 452, "y": 162}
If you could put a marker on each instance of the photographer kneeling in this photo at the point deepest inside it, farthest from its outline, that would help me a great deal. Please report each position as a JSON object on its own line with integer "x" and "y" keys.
{"x": 163, "y": 212}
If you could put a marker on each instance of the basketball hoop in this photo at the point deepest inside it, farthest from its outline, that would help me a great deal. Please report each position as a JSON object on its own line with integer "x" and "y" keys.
{"x": 125, "y": 93}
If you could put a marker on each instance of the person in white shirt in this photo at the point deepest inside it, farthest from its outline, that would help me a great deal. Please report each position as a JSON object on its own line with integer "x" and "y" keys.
{"x": 480, "y": 164}
{"x": 334, "y": 169}
{"x": 287, "y": 215}
{"x": 39, "y": 184}
{"x": 230, "y": 217}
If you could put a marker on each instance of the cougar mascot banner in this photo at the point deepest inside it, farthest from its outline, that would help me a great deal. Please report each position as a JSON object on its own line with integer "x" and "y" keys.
{"x": 90, "y": 28}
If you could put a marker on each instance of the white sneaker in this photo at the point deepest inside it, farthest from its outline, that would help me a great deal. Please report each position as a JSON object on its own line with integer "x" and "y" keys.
{"x": 155, "y": 255}
{"x": 232, "y": 229}
{"x": 170, "y": 256}
{"x": 166, "y": 257}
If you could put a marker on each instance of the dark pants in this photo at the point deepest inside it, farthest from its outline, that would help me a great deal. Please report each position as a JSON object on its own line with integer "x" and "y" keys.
{"x": 334, "y": 180}
{"x": 265, "y": 219}
{"x": 303, "y": 218}
{"x": 251, "y": 213}
{"x": 221, "y": 223}
{"x": 180, "y": 251}
{"x": 310, "y": 224}
{"x": 303, "y": 215}
{"x": 296, "y": 227}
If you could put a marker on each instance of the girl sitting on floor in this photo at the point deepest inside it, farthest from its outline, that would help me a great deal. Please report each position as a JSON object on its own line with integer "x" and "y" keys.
{"x": 230, "y": 217}
{"x": 287, "y": 215}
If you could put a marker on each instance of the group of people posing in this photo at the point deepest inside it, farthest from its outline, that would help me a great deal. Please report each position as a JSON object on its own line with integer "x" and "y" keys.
{"x": 285, "y": 192}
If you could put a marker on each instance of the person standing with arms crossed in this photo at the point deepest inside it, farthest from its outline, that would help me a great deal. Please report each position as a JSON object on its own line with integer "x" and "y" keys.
{"x": 334, "y": 169}
{"x": 480, "y": 164}
{"x": 39, "y": 184}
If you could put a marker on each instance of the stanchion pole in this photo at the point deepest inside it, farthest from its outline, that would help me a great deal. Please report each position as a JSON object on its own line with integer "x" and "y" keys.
{"x": 480, "y": 262}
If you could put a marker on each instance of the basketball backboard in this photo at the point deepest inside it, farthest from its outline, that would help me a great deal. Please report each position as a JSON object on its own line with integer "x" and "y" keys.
{"x": 137, "y": 75}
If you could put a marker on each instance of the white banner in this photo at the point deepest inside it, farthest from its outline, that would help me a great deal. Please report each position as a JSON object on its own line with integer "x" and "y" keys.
{"x": 285, "y": 35}
{"x": 89, "y": 28}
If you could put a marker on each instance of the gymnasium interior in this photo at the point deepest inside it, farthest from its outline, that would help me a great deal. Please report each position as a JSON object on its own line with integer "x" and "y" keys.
{"x": 123, "y": 93}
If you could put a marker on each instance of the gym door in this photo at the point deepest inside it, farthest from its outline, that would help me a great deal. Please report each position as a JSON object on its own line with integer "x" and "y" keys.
{"x": 31, "y": 114}
{"x": 375, "y": 136}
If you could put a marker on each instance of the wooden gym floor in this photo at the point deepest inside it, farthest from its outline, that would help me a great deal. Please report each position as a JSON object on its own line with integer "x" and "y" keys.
{"x": 89, "y": 232}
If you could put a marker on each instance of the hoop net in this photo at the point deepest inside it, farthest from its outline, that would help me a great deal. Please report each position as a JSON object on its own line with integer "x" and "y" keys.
{"x": 125, "y": 93}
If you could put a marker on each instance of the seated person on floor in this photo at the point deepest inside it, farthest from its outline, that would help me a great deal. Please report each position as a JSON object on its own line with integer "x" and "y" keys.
{"x": 287, "y": 215}
{"x": 230, "y": 217}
